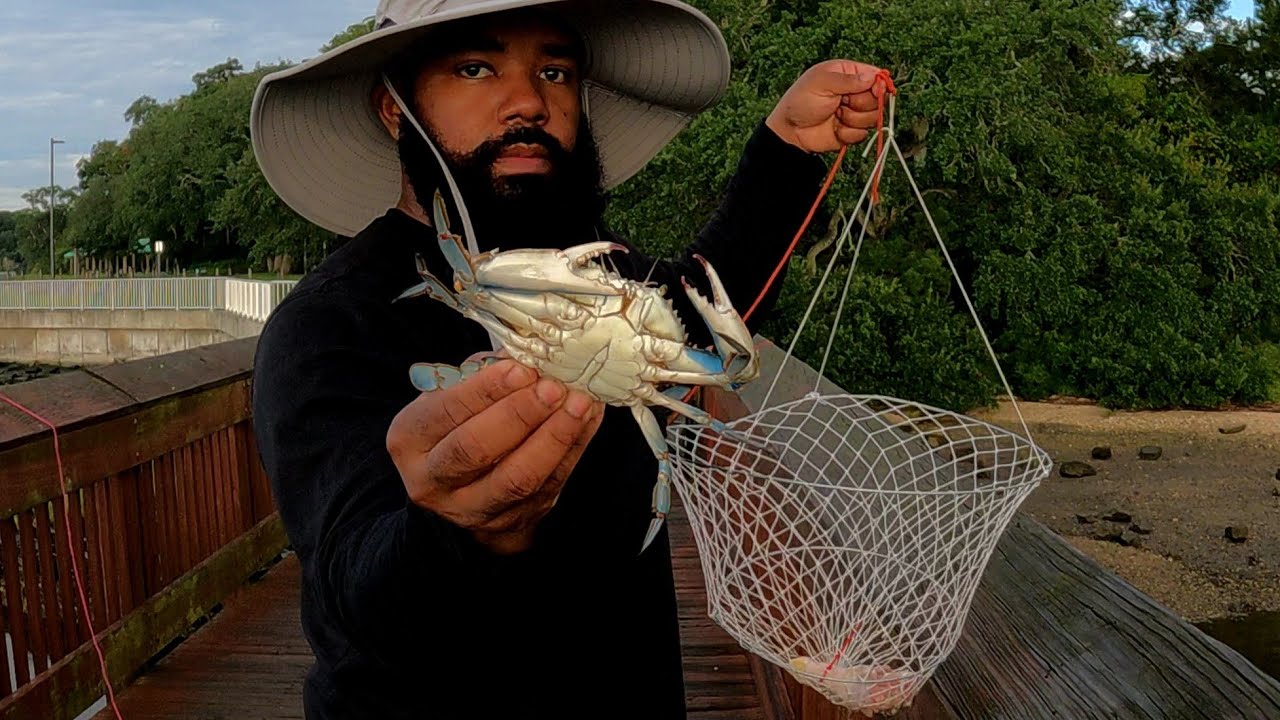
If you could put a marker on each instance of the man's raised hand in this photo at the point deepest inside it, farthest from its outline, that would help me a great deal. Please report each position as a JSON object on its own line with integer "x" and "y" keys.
{"x": 833, "y": 104}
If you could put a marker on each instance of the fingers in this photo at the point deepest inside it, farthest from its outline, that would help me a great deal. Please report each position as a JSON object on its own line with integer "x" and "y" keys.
{"x": 570, "y": 459}
{"x": 518, "y": 517}
{"x": 849, "y": 67}
{"x": 478, "y": 445}
{"x": 435, "y": 414}
{"x": 841, "y": 83}
{"x": 851, "y": 136}
{"x": 862, "y": 102}
{"x": 853, "y": 119}
{"x": 530, "y": 468}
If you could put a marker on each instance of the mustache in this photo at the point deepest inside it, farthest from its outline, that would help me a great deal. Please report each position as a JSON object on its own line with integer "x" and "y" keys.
{"x": 489, "y": 150}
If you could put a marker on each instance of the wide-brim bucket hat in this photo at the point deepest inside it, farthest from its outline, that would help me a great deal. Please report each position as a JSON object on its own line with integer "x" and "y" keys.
{"x": 652, "y": 65}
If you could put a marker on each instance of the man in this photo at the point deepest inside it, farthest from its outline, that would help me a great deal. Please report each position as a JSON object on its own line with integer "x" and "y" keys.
{"x": 472, "y": 552}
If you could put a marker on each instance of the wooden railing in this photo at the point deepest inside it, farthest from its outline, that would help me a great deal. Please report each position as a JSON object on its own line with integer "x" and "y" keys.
{"x": 169, "y": 511}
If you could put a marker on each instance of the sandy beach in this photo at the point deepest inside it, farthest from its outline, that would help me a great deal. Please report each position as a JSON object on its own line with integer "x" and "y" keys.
{"x": 1194, "y": 524}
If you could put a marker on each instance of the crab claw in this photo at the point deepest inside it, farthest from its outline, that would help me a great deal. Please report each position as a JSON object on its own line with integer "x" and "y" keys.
{"x": 539, "y": 270}
{"x": 451, "y": 245}
{"x": 728, "y": 331}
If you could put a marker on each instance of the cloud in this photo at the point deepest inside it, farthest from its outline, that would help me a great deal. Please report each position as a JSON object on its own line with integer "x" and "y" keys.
{"x": 11, "y": 198}
{"x": 34, "y": 102}
{"x": 72, "y": 67}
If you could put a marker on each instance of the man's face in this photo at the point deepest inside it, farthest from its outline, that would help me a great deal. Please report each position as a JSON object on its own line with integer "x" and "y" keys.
{"x": 500, "y": 98}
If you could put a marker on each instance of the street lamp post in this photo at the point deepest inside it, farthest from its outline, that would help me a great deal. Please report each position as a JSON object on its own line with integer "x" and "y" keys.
{"x": 52, "y": 142}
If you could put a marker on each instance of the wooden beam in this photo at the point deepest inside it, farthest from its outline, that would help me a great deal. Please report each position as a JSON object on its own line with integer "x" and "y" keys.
{"x": 73, "y": 684}
{"x": 93, "y": 452}
{"x": 67, "y": 400}
{"x": 81, "y": 397}
{"x": 1053, "y": 634}
{"x": 183, "y": 372}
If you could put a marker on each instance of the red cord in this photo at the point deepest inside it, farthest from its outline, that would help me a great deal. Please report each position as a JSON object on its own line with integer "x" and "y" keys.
{"x": 843, "y": 647}
{"x": 884, "y": 76}
{"x": 71, "y": 542}
{"x": 887, "y": 79}
{"x": 831, "y": 176}
{"x": 889, "y": 88}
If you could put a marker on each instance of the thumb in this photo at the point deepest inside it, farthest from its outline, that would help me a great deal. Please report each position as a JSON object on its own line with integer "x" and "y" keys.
{"x": 844, "y": 83}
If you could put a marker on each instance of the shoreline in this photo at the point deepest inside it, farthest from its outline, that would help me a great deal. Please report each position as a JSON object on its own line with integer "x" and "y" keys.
{"x": 1194, "y": 527}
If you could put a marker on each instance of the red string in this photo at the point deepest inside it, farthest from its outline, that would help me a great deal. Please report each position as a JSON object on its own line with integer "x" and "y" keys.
{"x": 843, "y": 647}
{"x": 884, "y": 76}
{"x": 887, "y": 79}
{"x": 71, "y": 542}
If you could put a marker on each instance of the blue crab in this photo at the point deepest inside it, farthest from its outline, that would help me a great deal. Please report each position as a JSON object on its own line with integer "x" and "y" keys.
{"x": 563, "y": 314}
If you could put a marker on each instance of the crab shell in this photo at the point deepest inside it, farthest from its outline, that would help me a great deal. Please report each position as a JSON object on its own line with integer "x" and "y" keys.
{"x": 571, "y": 319}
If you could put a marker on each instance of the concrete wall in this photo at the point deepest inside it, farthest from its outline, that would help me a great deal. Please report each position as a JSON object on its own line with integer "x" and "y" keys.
{"x": 101, "y": 337}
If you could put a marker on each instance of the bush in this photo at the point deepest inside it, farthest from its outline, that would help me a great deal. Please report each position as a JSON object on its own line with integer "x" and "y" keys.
{"x": 1120, "y": 240}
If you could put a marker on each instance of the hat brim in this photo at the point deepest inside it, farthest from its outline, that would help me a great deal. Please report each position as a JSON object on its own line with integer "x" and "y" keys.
{"x": 654, "y": 64}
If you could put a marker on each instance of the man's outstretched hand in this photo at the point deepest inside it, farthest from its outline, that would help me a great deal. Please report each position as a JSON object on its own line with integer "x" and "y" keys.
{"x": 492, "y": 453}
{"x": 833, "y": 104}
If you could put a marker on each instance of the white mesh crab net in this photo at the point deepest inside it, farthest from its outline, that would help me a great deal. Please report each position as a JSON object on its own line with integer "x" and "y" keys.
{"x": 845, "y": 540}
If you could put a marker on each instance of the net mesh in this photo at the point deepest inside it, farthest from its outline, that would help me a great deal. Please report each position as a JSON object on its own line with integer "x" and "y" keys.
{"x": 845, "y": 539}
{"x": 843, "y": 536}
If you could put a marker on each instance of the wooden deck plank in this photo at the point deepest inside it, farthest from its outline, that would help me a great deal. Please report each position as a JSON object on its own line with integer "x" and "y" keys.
{"x": 248, "y": 661}
{"x": 720, "y": 680}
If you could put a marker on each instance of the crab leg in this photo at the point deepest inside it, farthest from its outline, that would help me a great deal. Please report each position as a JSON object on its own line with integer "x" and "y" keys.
{"x": 662, "y": 488}
{"x": 431, "y": 287}
{"x": 451, "y": 245}
{"x": 514, "y": 316}
{"x": 659, "y": 375}
{"x": 438, "y": 376}
{"x": 700, "y": 416}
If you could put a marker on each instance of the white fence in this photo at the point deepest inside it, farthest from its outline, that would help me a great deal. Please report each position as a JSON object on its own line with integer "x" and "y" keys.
{"x": 252, "y": 299}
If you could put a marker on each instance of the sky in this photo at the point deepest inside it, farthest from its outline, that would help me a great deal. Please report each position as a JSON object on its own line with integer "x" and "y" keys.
{"x": 70, "y": 68}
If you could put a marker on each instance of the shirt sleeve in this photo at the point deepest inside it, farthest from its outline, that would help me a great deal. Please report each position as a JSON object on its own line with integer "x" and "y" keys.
{"x": 768, "y": 197}
{"x": 324, "y": 397}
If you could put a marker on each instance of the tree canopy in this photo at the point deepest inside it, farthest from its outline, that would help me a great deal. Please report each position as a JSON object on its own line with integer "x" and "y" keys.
{"x": 1105, "y": 173}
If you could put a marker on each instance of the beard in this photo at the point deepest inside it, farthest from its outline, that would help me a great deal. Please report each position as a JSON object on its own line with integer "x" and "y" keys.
{"x": 556, "y": 209}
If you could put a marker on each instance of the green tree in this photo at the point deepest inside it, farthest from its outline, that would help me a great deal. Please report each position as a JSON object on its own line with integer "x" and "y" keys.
{"x": 138, "y": 112}
{"x": 1118, "y": 244}
{"x": 8, "y": 238}
{"x": 31, "y": 226}
{"x": 98, "y": 225}
{"x": 353, "y": 31}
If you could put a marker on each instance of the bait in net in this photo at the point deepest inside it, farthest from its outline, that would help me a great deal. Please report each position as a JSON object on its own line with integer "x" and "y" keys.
{"x": 844, "y": 541}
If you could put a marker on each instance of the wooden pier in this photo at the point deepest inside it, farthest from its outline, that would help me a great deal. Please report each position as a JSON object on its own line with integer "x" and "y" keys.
{"x": 198, "y": 616}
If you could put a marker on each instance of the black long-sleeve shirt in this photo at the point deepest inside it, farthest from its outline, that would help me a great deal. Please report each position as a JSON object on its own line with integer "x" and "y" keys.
{"x": 408, "y": 617}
